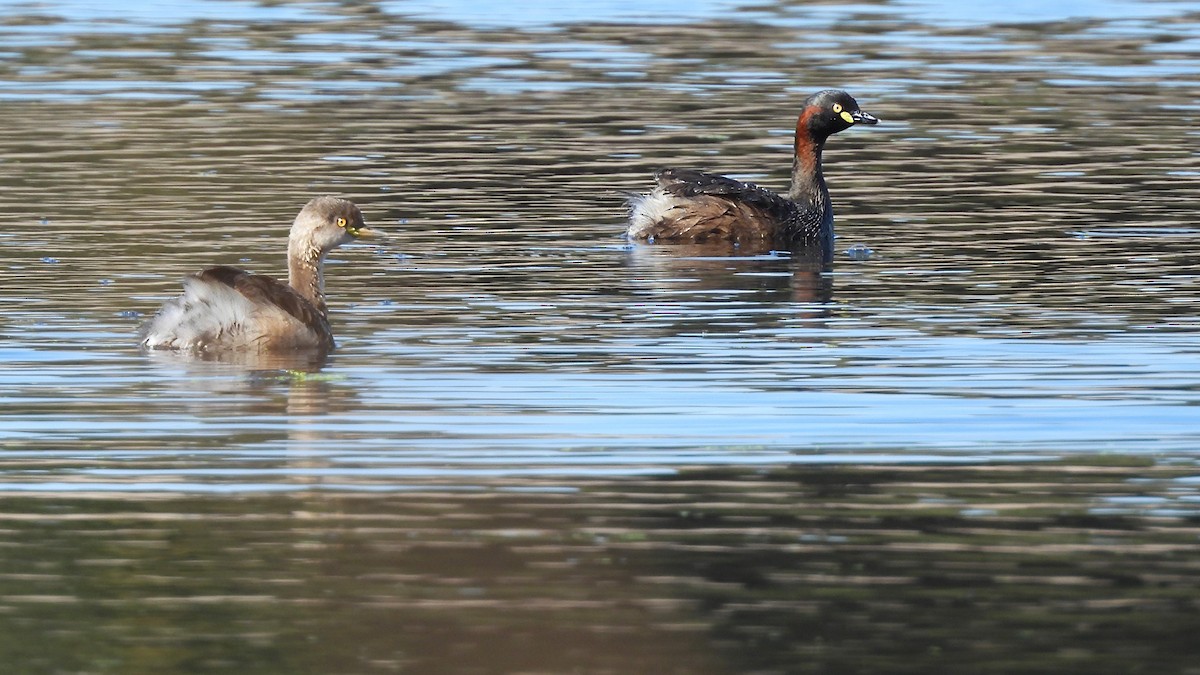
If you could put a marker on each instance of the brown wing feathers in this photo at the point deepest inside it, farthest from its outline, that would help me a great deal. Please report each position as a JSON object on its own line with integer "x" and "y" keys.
{"x": 715, "y": 208}
{"x": 263, "y": 290}
{"x": 710, "y": 218}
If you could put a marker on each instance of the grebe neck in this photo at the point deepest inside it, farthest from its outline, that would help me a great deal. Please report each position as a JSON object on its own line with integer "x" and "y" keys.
{"x": 306, "y": 273}
{"x": 808, "y": 181}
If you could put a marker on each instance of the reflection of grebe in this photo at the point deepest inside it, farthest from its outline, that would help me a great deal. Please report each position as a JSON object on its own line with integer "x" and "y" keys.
{"x": 695, "y": 207}
{"x": 724, "y": 269}
{"x": 228, "y": 309}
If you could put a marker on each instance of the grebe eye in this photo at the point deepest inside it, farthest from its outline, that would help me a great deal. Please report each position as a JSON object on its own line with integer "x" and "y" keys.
{"x": 837, "y": 107}
{"x": 341, "y": 222}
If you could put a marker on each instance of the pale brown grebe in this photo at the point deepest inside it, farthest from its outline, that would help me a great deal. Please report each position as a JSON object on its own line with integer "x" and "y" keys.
{"x": 226, "y": 308}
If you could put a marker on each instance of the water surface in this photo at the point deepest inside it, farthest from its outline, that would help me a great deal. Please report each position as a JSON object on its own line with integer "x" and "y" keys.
{"x": 969, "y": 444}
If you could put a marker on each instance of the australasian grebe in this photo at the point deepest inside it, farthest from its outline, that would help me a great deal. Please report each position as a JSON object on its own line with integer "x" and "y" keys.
{"x": 690, "y": 206}
{"x": 226, "y": 308}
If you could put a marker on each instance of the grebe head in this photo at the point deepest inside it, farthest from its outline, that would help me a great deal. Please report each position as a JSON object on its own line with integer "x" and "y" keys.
{"x": 830, "y": 111}
{"x": 328, "y": 222}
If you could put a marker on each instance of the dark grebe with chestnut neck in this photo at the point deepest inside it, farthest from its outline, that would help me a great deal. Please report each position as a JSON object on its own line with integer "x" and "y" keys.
{"x": 695, "y": 207}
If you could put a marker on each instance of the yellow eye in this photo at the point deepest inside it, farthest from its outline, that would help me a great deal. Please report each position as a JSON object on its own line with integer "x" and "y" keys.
{"x": 837, "y": 107}
{"x": 341, "y": 222}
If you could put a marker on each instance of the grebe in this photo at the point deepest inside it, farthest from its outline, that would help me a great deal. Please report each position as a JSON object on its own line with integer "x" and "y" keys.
{"x": 226, "y": 308}
{"x": 695, "y": 207}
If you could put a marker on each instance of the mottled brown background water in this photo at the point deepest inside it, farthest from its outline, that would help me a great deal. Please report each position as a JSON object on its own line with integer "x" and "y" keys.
{"x": 542, "y": 450}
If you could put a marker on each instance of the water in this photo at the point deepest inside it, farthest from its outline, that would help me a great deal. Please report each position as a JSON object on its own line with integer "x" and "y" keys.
{"x": 970, "y": 445}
